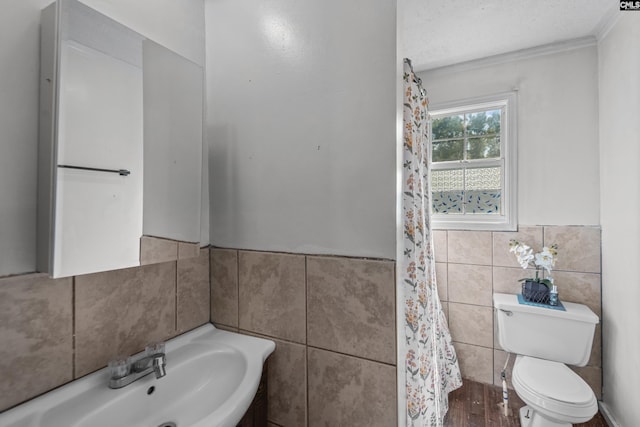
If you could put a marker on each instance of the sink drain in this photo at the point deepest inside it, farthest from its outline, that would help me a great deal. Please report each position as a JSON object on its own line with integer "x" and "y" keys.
{"x": 168, "y": 424}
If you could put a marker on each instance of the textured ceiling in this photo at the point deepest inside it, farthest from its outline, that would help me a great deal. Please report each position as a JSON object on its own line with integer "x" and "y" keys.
{"x": 437, "y": 33}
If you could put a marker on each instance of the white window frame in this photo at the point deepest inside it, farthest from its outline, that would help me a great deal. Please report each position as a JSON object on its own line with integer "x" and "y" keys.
{"x": 508, "y": 220}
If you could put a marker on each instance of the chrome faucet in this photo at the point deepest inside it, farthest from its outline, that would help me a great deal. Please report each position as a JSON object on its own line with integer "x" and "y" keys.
{"x": 125, "y": 371}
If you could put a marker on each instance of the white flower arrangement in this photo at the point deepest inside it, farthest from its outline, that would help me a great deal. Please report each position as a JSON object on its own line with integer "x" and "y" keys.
{"x": 545, "y": 260}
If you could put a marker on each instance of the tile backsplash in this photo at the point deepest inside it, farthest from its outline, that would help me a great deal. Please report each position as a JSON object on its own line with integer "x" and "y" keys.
{"x": 332, "y": 318}
{"x": 271, "y": 295}
{"x": 36, "y": 326}
{"x": 472, "y": 265}
{"x": 333, "y": 322}
{"x": 55, "y": 331}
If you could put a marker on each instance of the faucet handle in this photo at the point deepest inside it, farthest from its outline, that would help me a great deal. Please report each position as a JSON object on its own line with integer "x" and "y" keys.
{"x": 119, "y": 367}
{"x": 156, "y": 352}
{"x": 154, "y": 348}
{"x": 159, "y": 365}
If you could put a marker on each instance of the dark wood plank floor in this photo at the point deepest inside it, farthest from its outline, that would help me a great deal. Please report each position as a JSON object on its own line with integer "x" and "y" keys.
{"x": 476, "y": 405}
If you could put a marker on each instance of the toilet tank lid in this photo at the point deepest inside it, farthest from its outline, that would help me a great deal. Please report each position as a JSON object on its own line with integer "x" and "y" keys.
{"x": 579, "y": 312}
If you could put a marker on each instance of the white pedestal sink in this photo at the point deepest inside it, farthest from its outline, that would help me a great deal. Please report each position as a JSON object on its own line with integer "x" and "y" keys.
{"x": 212, "y": 377}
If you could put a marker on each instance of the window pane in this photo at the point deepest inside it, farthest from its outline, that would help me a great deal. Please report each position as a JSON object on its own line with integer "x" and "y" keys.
{"x": 483, "y": 193}
{"x": 447, "y": 150}
{"x": 447, "y": 190}
{"x": 449, "y": 202}
{"x": 486, "y": 147}
{"x": 447, "y": 180}
{"x": 483, "y": 178}
{"x": 483, "y": 123}
{"x": 447, "y": 127}
{"x": 470, "y": 154}
{"x": 483, "y": 202}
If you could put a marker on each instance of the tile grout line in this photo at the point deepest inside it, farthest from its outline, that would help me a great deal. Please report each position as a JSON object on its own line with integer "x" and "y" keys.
{"x": 238, "y": 287}
{"x": 210, "y": 255}
{"x": 175, "y": 308}
{"x": 493, "y": 316}
{"x": 73, "y": 327}
{"x": 319, "y": 255}
{"x": 306, "y": 337}
{"x": 396, "y": 314}
{"x": 258, "y": 334}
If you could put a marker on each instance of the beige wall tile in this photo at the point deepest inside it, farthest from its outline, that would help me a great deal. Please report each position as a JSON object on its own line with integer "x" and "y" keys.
{"x": 469, "y": 247}
{"x": 506, "y": 280}
{"x": 476, "y": 363}
{"x": 119, "y": 312}
{"x": 442, "y": 280}
{"x": 529, "y": 235}
{"x": 193, "y": 292}
{"x": 578, "y": 247}
{"x": 470, "y": 284}
{"x": 224, "y": 286}
{"x": 351, "y": 306}
{"x": 272, "y": 294}
{"x": 188, "y": 250}
{"x": 471, "y": 324}
{"x": 36, "y": 354}
{"x": 440, "y": 245}
{"x": 287, "y": 388}
{"x": 154, "y": 250}
{"x": 347, "y": 391}
{"x": 577, "y": 279}
{"x": 583, "y": 288}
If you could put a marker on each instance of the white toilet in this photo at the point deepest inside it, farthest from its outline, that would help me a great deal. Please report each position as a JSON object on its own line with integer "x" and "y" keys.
{"x": 544, "y": 340}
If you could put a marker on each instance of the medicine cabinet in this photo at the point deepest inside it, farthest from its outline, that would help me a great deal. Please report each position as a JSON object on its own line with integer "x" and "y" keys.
{"x": 120, "y": 149}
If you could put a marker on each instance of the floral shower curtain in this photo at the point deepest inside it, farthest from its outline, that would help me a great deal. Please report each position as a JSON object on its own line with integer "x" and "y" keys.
{"x": 431, "y": 364}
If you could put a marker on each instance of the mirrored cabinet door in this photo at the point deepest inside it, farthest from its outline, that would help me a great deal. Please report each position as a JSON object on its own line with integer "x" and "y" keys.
{"x": 172, "y": 165}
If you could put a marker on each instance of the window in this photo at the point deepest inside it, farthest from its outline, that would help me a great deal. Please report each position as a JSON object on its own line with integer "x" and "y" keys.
{"x": 473, "y": 164}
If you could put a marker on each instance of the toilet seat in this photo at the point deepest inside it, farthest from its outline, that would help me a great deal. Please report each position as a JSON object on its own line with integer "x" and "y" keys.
{"x": 553, "y": 388}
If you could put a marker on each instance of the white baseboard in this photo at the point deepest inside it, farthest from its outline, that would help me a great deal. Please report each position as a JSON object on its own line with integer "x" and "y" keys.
{"x": 604, "y": 410}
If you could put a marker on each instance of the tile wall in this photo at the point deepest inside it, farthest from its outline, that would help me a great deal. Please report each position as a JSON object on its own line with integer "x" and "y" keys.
{"x": 333, "y": 322}
{"x": 332, "y": 318}
{"x": 471, "y": 266}
{"x": 54, "y": 331}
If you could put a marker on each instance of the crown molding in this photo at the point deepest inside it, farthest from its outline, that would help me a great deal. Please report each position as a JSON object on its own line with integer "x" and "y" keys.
{"x": 607, "y": 22}
{"x": 548, "y": 49}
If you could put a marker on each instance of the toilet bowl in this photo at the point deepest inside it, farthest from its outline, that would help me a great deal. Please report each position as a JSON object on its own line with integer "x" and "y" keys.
{"x": 555, "y": 395}
{"x": 546, "y": 341}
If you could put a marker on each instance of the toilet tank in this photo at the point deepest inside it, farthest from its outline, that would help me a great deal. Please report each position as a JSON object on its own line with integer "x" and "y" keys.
{"x": 560, "y": 336}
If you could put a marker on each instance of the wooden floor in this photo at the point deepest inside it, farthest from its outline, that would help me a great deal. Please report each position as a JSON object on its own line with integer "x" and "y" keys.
{"x": 476, "y": 405}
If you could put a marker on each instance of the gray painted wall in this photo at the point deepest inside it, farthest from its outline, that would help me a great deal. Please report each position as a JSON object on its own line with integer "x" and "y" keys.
{"x": 619, "y": 68}
{"x": 558, "y": 180}
{"x": 302, "y": 125}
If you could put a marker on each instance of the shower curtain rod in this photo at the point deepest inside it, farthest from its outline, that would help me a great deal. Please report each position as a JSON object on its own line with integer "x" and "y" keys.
{"x": 417, "y": 80}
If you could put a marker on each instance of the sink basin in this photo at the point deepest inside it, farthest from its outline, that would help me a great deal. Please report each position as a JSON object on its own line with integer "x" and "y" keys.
{"x": 212, "y": 377}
